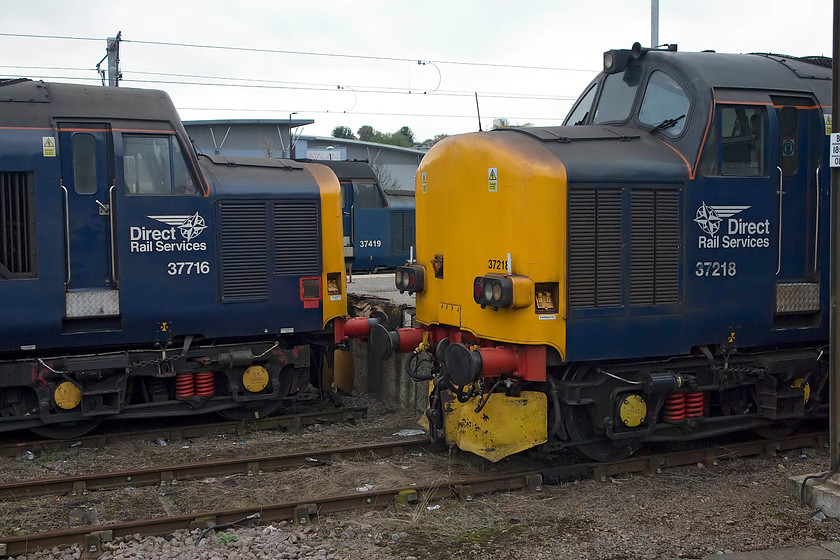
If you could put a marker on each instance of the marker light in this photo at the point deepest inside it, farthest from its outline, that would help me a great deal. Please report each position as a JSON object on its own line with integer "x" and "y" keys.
{"x": 410, "y": 278}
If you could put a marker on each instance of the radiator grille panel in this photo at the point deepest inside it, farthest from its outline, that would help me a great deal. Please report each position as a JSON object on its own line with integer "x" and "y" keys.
{"x": 654, "y": 246}
{"x": 297, "y": 239}
{"x": 244, "y": 250}
{"x": 402, "y": 231}
{"x": 16, "y": 248}
{"x": 594, "y": 247}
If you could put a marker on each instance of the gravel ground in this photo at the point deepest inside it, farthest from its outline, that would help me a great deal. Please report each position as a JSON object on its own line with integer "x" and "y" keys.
{"x": 687, "y": 512}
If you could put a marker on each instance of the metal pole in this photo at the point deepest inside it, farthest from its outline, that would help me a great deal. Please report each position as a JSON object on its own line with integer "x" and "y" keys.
{"x": 291, "y": 146}
{"x": 654, "y": 23}
{"x": 114, "y": 60}
{"x": 834, "y": 399}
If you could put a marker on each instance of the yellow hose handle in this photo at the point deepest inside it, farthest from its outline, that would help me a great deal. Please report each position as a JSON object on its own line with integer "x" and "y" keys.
{"x": 424, "y": 344}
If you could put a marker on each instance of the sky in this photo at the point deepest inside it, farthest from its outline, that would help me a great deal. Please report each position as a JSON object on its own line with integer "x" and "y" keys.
{"x": 382, "y": 63}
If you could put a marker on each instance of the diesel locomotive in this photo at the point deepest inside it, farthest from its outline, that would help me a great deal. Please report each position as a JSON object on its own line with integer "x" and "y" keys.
{"x": 656, "y": 269}
{"x": 378, "y": 223}
{"x": 139, "y": 280}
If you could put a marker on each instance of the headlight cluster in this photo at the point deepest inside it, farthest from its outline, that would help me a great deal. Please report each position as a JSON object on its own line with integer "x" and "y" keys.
{"x": 503, "y": 290}
{"x": 410, "y": 278}
{"x": 495, "y": 291}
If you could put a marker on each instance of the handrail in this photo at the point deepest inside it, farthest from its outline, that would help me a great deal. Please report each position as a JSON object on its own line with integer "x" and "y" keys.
{"x": 353, "y": 226}
{"x": 114, "y": 280}
{"x": 66, "y": 230}
{"x": 817, "y": 225}
{"x": 780, "y": 192}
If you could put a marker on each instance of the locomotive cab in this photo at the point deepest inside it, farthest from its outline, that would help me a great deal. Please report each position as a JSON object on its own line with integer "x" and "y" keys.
{"x": 653, "y": 270}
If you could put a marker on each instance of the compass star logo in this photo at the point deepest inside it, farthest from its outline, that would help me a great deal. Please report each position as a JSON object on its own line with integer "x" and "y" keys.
{"x": 707, "y": 218}
{"x": 192, "y": 226}
{"x": 710, "y": 217}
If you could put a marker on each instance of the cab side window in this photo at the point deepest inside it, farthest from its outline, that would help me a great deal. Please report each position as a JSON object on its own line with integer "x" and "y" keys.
{"x": 84, "y": 163}
{"x": 736, "y": 144}
{"x": 368, "y": 196}
{"x": 155, "y": 165}
{"x": 580, "y": 113}
{"x": 665, "y": 104}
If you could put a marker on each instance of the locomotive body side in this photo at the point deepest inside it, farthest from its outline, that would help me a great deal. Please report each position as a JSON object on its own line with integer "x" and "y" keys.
{"x": 658, "y": 273}
{"x": 140, "y": 281}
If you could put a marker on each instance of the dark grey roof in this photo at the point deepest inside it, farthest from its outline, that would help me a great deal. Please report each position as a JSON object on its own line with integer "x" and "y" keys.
{"x": 72, "y": 101}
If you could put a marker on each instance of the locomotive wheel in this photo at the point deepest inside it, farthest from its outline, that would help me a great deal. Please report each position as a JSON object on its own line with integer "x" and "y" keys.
{"x": 251, "y": 411}
{"x": 580, "y": 427}
{"x": 65, "y": 430}
{"x": 777, "y": 430}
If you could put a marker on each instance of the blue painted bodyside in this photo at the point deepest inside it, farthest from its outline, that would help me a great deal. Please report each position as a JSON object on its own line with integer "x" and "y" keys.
{"x": 168, "y": 277}
{"x": 728, "y": 278}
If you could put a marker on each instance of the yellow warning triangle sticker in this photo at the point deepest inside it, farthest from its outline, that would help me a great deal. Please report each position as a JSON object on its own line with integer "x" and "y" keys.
{"x": 492, "y": 176}
{"x": 48, "y": 143}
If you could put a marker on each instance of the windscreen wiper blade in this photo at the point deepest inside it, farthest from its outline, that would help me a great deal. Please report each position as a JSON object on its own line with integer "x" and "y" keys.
{"x": 667, "y": 123}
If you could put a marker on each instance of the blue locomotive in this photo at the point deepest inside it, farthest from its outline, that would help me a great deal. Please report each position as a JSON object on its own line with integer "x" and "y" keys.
{"x": 378, "y": 223}
{"x": 657, "y": 269}
{"x": 139, "y": 280}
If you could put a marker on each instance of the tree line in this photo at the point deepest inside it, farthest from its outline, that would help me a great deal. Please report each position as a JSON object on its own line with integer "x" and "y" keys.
{"x": 403, "y": 137}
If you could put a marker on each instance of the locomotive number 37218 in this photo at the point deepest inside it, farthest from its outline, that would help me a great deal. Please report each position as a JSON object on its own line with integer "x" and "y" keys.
{"x": 710, "y": 268}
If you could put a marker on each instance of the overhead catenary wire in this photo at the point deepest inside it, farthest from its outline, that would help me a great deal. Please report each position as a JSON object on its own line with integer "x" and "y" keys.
{"x": 303, "y": 53}
{"x": 312, "y": 111}
{"x": 143, "y": 78}
{"x": 280, "y": 84}
{"x": 364, "y": 113}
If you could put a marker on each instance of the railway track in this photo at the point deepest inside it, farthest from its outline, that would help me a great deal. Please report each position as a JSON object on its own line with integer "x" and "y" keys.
{"x": 289, "y": 422}
{"x": 172, "y": 474}
{"x": 90, "y": 538}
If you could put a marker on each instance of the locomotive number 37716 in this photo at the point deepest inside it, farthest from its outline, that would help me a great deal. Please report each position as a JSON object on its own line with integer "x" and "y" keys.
{"x": 176, "y": 268}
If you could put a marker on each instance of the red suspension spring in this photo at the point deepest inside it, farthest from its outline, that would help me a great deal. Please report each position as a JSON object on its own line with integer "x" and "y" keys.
{"x": 184, "y": 385}
{"x": 674, "y": 409}
{"x": 695, "y": 404}
{"x": 204, "y": 384}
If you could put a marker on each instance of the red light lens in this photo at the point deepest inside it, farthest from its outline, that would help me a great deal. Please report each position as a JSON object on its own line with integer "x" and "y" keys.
{"x": 411, "y": 280}
{"x": 478, "y": 290}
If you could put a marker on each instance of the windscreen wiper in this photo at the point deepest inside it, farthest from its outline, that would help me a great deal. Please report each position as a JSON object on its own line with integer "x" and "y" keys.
{"x": 667, "y": 123}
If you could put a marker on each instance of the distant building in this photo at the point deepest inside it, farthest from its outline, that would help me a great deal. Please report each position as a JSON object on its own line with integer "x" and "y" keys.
{"x": 395, "y": 166}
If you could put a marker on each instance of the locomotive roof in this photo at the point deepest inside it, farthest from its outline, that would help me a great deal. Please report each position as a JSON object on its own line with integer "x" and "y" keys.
{"x": 345, "y": 169}
{"x": 705, "y": 77}
{"x": 36, "y": 103}
{"x": 258, "y": 177}
{"x": 748, "y": 71}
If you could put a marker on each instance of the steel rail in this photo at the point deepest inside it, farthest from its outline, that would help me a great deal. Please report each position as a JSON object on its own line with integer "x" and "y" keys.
{"x": 302, "y": 511}
{"x": 172, "y": 474}
{"x": 290, "y": 422}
